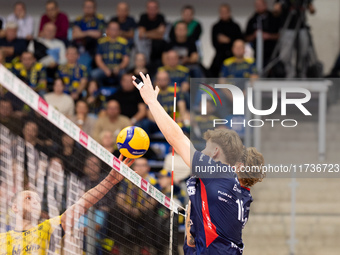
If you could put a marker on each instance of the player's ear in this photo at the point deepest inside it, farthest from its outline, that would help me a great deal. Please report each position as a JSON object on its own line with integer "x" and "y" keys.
{"x": 215, "y": 152}
{"x": 14, "y": 207}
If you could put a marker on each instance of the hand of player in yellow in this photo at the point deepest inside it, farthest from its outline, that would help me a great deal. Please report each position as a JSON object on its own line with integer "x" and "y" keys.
{"x": 127, "y": 161}
{"x": 148, "y": 93}
{"x": 116, "y": 175}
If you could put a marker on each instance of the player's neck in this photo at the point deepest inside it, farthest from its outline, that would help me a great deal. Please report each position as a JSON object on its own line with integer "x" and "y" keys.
{"x": 23, "y": 225}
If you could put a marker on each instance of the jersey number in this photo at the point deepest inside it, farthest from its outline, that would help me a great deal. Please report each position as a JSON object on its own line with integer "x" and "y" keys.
{"x": 240, "y": 214}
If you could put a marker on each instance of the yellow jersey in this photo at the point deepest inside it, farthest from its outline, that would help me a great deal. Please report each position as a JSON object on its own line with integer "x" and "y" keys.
{"x": 33, "y": 241}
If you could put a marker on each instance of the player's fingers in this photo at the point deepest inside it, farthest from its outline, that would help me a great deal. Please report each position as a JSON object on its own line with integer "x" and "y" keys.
{"x": 148, "y": 77}
{"x": 121, "y": 157}
{"x": 134, "y": 83}
{"x": 157, "y": 90}
{"x": 129, "y": 161}
{"x": 143, "y": 77}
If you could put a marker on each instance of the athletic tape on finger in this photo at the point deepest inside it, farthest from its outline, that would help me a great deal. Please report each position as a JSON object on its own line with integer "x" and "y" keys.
{"x": 140, "y": 84}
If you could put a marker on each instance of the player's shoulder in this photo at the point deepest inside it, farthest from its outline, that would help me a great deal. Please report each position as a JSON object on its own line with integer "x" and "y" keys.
{"x": 9, "y": 66}
{"x": 249, "y": 60}
{"x": 18, "y": 66}
{"x": 63, "y": 68}
{"x": 103, "y": 40}
{"x": 100, "y": 16}
{"x": 82, "y": 67}
{"x": 79, "y": 18}
{"x": 50, "y": 222}
{"x": 122, "y": 40}
{"x": 38, "y": 66}
{"x": 4, "y": 235}
{"x": 183, "y": 69}
{"x": 229, "y": 61}
{"x": 170, "y": 89}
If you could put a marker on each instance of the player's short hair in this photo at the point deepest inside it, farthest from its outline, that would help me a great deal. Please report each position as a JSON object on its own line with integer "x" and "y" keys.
{"x": 153, "y": 1}
{"x": 188, "y": 7}
{"x": 182, "y": 22}
{"x": 52, "y": 2}
{"x": 226, "y": 6}
{"x": 20, "y": 3}
{"x": 253, "y": 161}
{"x": 91, "y": 1}
{"x": 229, "y": 141}
{"x": 72, "y": 46}
{"x": 15, "y": 197}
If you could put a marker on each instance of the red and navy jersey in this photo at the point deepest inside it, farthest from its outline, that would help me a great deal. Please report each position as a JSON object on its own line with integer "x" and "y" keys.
{"x": 219, "y": 210}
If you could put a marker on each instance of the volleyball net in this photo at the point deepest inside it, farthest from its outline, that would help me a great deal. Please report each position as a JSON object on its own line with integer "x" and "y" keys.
{"x": 43, "y": 151}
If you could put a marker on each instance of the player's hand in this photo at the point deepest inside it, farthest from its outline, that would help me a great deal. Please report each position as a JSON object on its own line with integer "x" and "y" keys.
{"x": 116, "y": 175}
{"x": 127, "y": 161}
{"x": 148, "y": 93}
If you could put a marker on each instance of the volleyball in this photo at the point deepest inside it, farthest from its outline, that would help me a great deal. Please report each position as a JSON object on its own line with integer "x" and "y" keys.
{"x": 133, "y": 142}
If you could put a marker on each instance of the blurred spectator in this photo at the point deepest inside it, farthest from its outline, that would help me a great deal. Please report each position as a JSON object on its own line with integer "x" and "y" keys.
{"x": 151, "y": 29}
{"x": 111, "y": 58}
{"x": 89, "y": 28}
{"x": 112, "y": 121}
{"x": 47, "y": 49}
{"x": 82, "y": 119}
{"x": 200, "y": 124}
{"x": 224, "y": 33}
{"x": 129, "y": 96}
{"x": 3, "y": 60}
{"x": 238, "y": 66}
{"x": 94, "y": 98}
{"x": 270, "y": 29}
{"x": 139, "y": 65}
{"x": 10, "y": 45}
{"x": 25, "y": 21}
{"x": 8, "y": 118}
{"x": 93, "y": 176}
{"x": 73, "y": 74}
{"x": 294, "y": 12}
{"x": 163, "y": 222}
{"x": 106, "y": 140}
{"x": 126, "y": 22}
{"x": 58, "y": 99}
{"x": 166, "y": 99}
{"x": 135, "y": 203}
{"x": 194, "y": 28}
{"x": 31, "y": 72}
{"x": 177, "y": 72}
{"x": 186, "y": 50}
{"x": 71, "y": 155}
{"x": 2, "y": 26}
{"x": 55, "y": 16}
{"x": 335, "y": 72}
{"x": 164, "y": 182}
{"x": 30, "y": 133}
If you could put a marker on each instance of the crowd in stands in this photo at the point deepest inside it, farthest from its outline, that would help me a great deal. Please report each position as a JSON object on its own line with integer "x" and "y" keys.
{"x": 83, "y": 68}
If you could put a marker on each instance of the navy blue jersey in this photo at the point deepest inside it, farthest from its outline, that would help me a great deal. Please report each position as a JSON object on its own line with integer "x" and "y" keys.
{"x": 219, "y": 210}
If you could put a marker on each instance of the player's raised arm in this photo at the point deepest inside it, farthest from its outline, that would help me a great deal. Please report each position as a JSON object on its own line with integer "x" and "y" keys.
{"x": 92, "y": 196}
{"x": 169, "y": 128}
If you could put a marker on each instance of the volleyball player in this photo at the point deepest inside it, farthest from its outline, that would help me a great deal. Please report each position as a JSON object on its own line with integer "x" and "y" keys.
{"x": 219, "y": 206}
{"x": 28, "y": 238}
